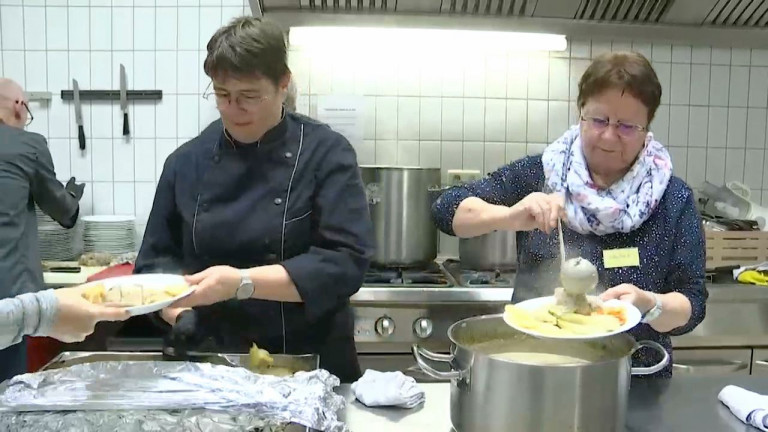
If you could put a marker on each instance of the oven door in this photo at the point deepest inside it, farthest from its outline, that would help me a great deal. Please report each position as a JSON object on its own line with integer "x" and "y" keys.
{"x": 394, "y": 362}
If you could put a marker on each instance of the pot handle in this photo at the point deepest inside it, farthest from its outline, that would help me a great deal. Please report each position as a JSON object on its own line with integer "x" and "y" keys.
{"x": 420, "y": 354}
{"x": 658, "y": 366}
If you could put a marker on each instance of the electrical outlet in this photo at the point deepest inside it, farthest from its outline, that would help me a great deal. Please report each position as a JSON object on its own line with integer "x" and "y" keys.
{"x": 454, "y": 177}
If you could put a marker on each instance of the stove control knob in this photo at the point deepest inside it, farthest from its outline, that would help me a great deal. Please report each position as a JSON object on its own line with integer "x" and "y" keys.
{"x": 385, "y": 326}
{"x": 422, "y": 328}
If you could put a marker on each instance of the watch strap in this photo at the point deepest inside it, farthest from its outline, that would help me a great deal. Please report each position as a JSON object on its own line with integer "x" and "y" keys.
{"x": 655, "y": 311}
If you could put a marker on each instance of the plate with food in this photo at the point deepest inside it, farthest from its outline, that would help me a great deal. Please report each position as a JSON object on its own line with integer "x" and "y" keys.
{"x": 138, "y": 294}
{"x": 556, "y": 318}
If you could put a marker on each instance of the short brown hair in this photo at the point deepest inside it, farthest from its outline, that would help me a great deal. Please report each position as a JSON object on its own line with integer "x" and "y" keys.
{"x": 245, "y": 47}
{"x": 628, "y": 71}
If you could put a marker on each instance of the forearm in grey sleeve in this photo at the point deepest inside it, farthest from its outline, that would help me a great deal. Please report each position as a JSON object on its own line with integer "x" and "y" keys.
{"x": 26, "y": 315}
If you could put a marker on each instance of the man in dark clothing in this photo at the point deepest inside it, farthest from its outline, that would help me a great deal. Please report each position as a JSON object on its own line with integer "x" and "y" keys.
{"x": 27, "y": 178}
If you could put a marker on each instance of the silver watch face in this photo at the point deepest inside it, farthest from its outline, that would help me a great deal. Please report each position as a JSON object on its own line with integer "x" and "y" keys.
{"x": 245, "y": 290}
{"x": 653, "y": 313}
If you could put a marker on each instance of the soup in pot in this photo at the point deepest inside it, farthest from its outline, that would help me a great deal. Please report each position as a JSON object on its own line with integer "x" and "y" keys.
{"x": 537, "y": 352}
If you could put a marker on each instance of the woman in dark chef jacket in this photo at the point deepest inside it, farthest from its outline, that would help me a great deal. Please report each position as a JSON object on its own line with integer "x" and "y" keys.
{"x": 266, "y": 212}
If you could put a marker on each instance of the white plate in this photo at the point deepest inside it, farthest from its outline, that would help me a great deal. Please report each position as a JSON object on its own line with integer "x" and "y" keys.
{"x": 633, "y": 317}
{"x": 108, "y": 218}
{"x": 148, "y": 280}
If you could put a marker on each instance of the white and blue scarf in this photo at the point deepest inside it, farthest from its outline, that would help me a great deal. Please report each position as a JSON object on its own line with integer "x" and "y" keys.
{"x": 622, "y": 207}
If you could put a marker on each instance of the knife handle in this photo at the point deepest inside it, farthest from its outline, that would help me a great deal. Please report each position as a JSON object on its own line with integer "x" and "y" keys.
{"x": 126, "y": 128}
{"x": 81, "y": 136}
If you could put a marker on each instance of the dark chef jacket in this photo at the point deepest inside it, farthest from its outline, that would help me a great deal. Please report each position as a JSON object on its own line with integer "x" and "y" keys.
{"x": 27, "y": 177}
{"x": 295, "y": 198}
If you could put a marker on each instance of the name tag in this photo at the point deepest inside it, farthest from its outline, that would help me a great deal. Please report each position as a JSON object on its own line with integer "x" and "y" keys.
{"x": 626, "y": 257}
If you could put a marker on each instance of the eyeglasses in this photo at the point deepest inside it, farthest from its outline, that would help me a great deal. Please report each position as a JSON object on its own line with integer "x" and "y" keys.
{"x": 30, "y": 117}
{"x": 244, "y": 101}
{"x": 625, "y": 130}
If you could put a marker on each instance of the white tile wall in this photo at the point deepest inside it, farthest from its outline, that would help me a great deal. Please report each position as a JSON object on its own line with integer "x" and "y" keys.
{"x": 712, "y": 118}
{"x": 44, "y": 45}
{"x": 473, "y": 112}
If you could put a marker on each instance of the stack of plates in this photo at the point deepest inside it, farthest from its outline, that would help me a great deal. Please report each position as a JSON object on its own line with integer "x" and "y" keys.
{"x": 57, "y": 243}
{"x": 110, "y": 234}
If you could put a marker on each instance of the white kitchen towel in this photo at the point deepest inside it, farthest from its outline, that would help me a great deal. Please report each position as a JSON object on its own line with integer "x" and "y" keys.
{"x": 376, "y": 388}
{"x": 759, "y": 267}
{"x": 751, "y": 408}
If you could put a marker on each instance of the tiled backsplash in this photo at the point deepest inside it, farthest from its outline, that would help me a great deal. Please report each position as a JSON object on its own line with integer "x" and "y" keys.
{"x": 46, "y": 44}
{"x": 478, "y": 112}
{"x": 473, "y": 111}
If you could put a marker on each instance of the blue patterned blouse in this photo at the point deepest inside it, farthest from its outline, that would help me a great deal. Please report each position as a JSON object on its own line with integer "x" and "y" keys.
{"x": 670, "y": 244}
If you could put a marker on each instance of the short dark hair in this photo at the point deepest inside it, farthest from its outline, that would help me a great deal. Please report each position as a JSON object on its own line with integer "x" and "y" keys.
{"x": 628, "y": 71}
{"x": 245, "y": 47}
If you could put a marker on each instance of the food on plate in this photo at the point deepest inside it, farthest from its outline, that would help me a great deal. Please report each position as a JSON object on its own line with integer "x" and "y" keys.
{"x": 95, "y": 293}
{"x": 539, "y": 321}
{"x": 562, "y": 320}
{"x": 262, "y": 362}
{"x": 131, "y": 294}
{"x": 577, "y": 303}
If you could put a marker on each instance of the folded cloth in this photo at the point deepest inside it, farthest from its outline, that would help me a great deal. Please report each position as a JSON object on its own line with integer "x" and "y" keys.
{"x": 751, "y": 408}
{"x": 757, "y": 267}
{"x": 376, "y": 388}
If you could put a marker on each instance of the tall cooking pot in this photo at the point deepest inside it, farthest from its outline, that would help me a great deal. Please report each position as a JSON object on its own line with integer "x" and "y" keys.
{"x": 504, "y": 380}
{"x": 496, "y": 250}
{"x": 400, "y": 207}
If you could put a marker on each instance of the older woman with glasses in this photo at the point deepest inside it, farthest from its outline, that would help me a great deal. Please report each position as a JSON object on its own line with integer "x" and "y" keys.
{"x": 265, "y": 212}
{"x": 611, "y": 184}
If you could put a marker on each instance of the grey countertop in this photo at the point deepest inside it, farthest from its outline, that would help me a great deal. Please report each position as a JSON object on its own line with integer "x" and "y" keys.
{"x": 728, "y": 292}
{"x": 679, "y": 404}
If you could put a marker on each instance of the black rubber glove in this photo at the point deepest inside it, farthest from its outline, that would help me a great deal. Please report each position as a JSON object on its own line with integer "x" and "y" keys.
{"x": 76, "y": 190}
{"x": 186, "y": 334}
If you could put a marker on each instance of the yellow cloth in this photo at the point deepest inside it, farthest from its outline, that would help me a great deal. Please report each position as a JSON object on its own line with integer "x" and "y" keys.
{"x": 753, "y": 277}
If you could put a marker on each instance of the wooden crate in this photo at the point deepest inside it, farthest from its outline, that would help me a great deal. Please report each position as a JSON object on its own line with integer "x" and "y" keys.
{"x": 728, "y": 248}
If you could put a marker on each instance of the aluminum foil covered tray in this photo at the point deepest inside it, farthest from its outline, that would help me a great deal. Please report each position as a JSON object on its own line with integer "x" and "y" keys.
{"x": 168, "y": 396}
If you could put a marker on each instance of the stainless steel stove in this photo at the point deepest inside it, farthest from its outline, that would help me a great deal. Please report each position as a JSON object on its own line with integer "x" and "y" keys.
{"x": 397, "y": 308}
{"x": 430, "y": 275}
{"x": 500, "y": 278}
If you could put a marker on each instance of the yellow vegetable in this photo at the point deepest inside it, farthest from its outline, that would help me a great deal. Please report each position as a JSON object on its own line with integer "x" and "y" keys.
{"x": 531, "y": 320}
{"x": 579, "y": 329}
{"x": 95, "y": 293}
{"x": 604, "y": 322}
{"x": 174, "y": 290}
{"x": 259, "y": 358}
{"x": 544, "y": 315}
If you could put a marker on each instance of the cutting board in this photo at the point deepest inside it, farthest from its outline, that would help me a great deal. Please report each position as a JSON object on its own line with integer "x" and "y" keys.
{"x": 56, "y": 279}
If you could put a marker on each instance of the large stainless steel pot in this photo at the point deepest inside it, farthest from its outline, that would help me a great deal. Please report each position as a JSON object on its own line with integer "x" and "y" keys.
{"x": 493, "y": 394}
{"x": 496, "y": 250}
{"x": 400, "y": 206}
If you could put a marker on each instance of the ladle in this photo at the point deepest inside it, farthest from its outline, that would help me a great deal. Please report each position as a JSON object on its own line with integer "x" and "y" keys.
{"x": 578, "y": 275}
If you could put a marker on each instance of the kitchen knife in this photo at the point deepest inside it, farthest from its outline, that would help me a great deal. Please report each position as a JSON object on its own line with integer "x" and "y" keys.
{"x": 78, "y": 114}
{"x": 124, "y": 100}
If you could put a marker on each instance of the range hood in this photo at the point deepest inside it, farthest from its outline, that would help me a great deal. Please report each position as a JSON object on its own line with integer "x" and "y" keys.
{"x": 717, "y": 22}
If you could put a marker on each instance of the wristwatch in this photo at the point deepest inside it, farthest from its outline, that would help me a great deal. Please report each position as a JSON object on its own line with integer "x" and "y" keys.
{"x": 655, "y": 310}
{"x": 246, "y": 288}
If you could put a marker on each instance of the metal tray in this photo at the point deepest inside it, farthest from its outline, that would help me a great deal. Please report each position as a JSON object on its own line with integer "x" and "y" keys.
{"x": 306, "y": 362}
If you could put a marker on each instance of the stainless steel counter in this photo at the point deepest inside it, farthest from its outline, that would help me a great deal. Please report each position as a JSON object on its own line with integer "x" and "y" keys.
{"x": 737, "y": 316}
{"x": 718, "y": 293}
{"x": 431, "y": 295}
{"x": 681, "y": 404}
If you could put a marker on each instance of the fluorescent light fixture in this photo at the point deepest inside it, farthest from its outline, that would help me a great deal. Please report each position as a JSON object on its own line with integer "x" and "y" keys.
{"x": 390, "y": 38}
